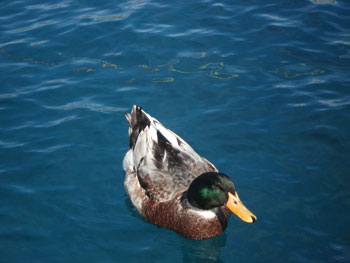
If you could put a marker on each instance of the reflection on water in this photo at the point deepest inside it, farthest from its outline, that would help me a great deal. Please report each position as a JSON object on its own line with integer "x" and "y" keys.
{"x": 208, "y": 250}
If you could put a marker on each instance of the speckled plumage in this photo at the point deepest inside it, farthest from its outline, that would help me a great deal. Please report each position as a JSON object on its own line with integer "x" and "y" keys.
{"x": 159, "y": 168}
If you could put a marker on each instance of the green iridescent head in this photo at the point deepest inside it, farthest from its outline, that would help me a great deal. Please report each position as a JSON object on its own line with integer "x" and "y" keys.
{"x": 210, "y": 190}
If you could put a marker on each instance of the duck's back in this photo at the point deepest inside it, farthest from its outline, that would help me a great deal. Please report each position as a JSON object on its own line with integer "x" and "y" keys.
{"x": 164, "y": 164}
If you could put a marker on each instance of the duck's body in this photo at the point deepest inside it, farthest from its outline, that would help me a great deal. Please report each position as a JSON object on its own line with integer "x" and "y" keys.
{"x": 159, "y": 169}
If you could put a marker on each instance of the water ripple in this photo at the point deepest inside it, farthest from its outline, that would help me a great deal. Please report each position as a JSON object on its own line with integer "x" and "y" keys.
{"x": 48, "y": 149}
{"x": 86, "y": 105}
{"x": 55, "y": 122}
{"x": 48, "y": 7}
{"x": 336, "y": 103}
{"x": 34, "y": 26}
{"x": 93, "y": 18}
{"x": 192, "y": 32}
{"x": 7, "y": 144}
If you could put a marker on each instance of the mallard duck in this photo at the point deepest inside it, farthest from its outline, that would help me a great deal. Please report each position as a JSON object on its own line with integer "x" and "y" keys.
{"x": 171, "y": 186}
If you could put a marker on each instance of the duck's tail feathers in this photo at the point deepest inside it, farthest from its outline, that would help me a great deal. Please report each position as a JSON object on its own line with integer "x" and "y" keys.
{"x": 138, "y": 121}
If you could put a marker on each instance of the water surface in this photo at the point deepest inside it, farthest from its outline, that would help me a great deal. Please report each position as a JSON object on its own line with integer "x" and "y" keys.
{"x": 260, "y": 89}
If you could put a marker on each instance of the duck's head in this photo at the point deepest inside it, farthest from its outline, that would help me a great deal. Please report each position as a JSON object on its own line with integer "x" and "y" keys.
{"x": 210, "y": 190}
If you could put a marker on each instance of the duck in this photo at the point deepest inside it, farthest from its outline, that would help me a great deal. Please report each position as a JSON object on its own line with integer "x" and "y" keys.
{"x": 172, "y": 186}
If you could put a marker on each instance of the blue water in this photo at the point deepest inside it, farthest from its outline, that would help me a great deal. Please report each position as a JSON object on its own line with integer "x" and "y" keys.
{"x": 260, "y": 88}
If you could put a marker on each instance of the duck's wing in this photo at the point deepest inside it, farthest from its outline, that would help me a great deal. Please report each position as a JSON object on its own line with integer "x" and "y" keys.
{"x": 164, "y": 163}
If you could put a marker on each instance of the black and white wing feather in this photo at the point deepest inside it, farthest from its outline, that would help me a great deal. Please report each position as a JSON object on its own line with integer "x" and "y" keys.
{"x": 163, "y": 162}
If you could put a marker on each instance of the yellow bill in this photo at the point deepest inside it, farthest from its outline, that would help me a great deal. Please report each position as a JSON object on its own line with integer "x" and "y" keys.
{"x": 239, "y": 209}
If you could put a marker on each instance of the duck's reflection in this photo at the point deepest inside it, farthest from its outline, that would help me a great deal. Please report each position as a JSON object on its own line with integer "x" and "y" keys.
{"x": 203, "y": 250}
